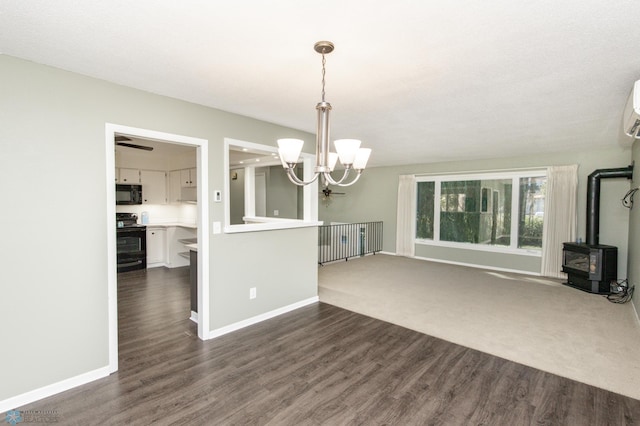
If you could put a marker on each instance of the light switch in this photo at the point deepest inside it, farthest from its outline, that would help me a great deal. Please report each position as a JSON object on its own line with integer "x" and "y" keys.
{"x": 217, "y": 227}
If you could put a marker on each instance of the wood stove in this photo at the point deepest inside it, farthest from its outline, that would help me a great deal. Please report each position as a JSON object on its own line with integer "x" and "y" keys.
{"x": 590, "y": 267}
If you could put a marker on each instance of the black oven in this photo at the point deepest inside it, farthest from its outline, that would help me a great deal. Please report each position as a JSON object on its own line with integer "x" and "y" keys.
{"x": 131, "y": 243}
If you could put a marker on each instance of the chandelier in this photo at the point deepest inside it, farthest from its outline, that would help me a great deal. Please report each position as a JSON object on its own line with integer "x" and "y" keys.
{"x": 348, "y": 151}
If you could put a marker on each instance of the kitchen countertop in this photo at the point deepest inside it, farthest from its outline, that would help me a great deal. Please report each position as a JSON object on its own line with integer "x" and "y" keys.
{"x": 172, "y": 224}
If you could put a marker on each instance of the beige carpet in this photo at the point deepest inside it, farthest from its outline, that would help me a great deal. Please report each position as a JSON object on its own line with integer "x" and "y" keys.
{"x": 534, "y": 321}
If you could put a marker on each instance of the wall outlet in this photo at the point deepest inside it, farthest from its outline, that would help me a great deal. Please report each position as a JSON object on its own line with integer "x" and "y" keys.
{"x": 252, "y": 293}
{"x": 276, "y": 212}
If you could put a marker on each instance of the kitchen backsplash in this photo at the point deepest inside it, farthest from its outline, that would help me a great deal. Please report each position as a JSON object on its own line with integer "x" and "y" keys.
{"x": 160, "y": 213}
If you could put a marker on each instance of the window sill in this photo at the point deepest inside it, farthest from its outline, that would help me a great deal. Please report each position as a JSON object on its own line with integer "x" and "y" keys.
{"x": 481, "y": 247}
{"x": 268, "y": 224}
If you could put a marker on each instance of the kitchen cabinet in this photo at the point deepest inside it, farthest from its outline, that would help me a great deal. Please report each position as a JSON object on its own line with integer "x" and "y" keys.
{"x": 154, "y": 187}
{"x": 129, "y": 176}
{"x": 175, "y": 186}
{"x": 189, "y": 178}
{"x": 156, "y": 246}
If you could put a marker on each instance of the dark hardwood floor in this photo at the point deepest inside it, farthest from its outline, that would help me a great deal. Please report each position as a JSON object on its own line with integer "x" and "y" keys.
{"x": 319, "y": 365}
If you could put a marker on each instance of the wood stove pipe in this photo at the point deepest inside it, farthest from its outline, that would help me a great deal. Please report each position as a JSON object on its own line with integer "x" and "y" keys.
{"x": 593, "y": 198}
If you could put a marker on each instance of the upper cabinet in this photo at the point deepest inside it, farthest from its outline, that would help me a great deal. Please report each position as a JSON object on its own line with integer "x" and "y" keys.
{"x": 174, "y": 184}
{"x": 128, "y": 176}
{"x": 167, "y": 172}
{"x": 154, "y": 187}
{"x": 189, "y": 178}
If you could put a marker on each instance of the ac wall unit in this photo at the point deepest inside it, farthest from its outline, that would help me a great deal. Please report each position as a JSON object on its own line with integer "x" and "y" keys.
{"x": 631, "y": 115}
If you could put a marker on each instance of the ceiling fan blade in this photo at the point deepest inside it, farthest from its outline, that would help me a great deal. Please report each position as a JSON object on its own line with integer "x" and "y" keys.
{"x": 132, "y": 145}
{"x": 121, "y": 138}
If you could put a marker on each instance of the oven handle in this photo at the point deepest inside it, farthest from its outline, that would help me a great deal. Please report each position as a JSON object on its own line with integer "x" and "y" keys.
{"x": 137, "y": 262}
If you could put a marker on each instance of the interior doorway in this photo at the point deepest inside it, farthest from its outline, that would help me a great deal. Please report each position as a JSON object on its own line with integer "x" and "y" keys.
{"x": 201, "y": 146}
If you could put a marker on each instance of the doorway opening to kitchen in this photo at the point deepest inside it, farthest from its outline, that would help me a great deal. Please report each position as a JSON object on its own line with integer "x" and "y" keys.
{"x": 177, "y": 215}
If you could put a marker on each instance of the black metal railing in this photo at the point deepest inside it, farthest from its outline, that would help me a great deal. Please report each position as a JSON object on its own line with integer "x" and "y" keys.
{"x": 345, "y": 240}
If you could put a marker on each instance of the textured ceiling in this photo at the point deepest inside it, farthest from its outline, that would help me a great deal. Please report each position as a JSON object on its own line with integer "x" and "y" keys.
{"x": 417, "y": 81}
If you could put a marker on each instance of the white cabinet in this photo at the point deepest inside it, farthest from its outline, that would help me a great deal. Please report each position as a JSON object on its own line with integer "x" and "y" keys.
{"x": 129, "y": 176}
{"x": 175, "y": 185}
{"x": 182, "y": 186}
{"x": 156, "y": 246}
{"x": 189, "y": 178}
{"x": 154, "y": 187}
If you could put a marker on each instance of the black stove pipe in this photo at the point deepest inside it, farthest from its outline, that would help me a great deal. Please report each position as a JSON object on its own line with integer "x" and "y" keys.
{"x": 593, "y": 199}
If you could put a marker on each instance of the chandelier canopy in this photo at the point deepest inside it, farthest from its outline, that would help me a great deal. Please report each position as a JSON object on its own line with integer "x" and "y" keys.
{"x": 348, "y": 151}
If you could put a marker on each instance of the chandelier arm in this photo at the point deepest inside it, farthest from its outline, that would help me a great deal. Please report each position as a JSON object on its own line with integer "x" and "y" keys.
{"x": 296, "y": 180}
{"x": 327, "y": 176}
{"x": 359, "y": 173}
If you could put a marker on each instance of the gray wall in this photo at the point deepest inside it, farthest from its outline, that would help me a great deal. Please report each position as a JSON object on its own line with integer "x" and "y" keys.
{"x": 53, "y": 165}
{"x": 374, "y": 197}
{"x": 282, "y": 195}
{"x": 634, "y": 230}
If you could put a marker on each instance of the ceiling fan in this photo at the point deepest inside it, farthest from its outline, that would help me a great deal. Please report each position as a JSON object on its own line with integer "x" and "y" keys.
{"x": 328, "y": 192}
{"x": 122, "y": 141}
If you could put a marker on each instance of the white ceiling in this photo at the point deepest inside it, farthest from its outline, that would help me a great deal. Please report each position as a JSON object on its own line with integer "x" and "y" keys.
{"x": 417, "y": 81}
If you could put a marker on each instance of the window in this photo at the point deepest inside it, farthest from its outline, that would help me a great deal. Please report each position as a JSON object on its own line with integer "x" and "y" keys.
{"x": 531, "y": 212}
{"x": 476, "y": 210}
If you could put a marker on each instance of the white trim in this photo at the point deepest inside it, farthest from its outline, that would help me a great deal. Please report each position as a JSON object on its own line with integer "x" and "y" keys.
{"x": 466, "y": 173}
{"x": 310, "y": 199}
{"x": 262, "y": 317}
{"x": 269, "y": 226}
{"x": 472, "y": 265}
{"x": 54, "y": 388}
{"x": 202, "y": 149}
{"x": 112, "y": 268}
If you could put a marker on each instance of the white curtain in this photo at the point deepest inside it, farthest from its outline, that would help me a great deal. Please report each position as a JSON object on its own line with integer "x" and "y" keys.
{"x": 405, "y": 221}
{"x": 560, "y": 217}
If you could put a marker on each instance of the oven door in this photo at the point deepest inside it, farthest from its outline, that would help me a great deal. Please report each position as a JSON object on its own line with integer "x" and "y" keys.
{"x": 131, "y": 246}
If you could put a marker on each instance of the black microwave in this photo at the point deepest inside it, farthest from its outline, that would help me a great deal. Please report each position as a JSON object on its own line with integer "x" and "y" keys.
{"x": 128, "y": 194}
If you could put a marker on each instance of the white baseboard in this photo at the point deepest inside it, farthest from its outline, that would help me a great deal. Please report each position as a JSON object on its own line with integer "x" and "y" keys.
{"x": 52, "y": 389}
{"x": 388, "y": 253}
{"x": 259, "y": 318}
{"x": 194, "y": 317}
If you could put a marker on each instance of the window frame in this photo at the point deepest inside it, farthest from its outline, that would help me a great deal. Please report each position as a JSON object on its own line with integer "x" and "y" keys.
{"x": 478, "y": 176}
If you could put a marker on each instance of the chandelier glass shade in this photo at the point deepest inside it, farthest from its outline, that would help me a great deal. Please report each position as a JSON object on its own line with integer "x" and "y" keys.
{"x": 348, "y": 151}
